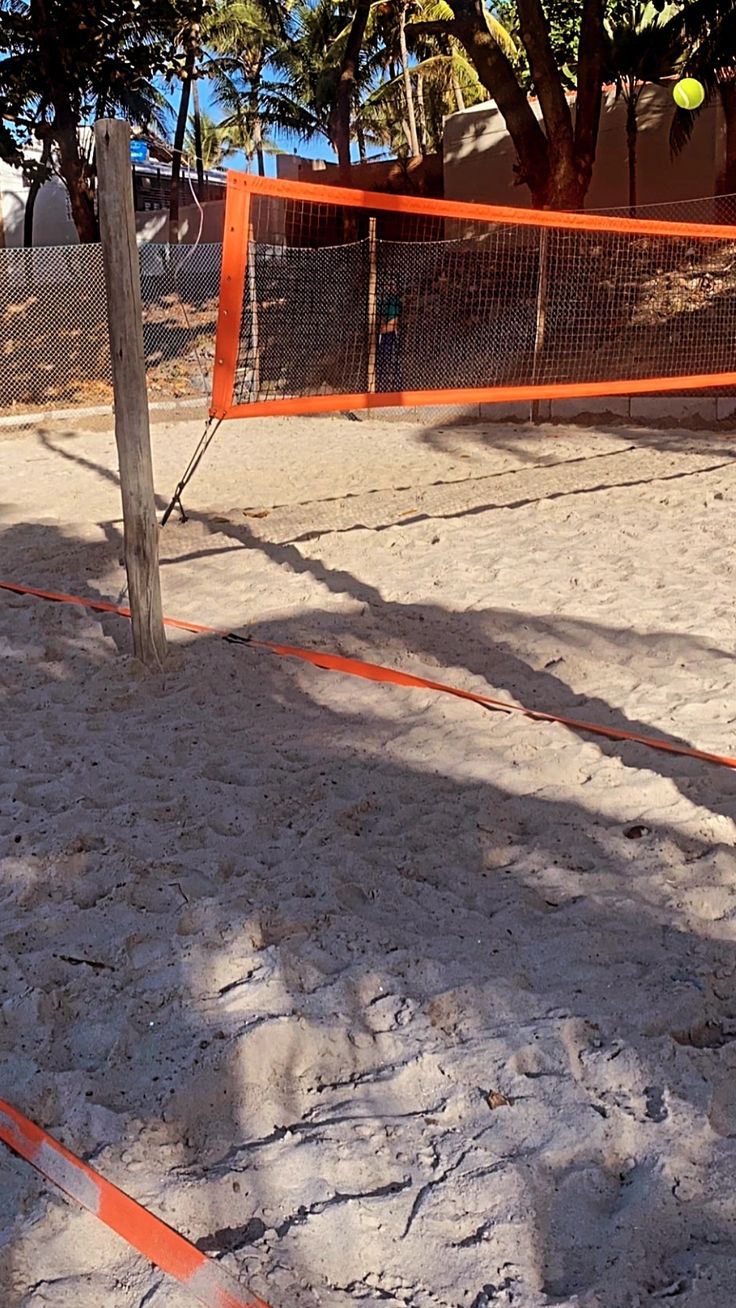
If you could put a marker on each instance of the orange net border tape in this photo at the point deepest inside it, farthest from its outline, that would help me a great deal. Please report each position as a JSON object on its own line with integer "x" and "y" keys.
{"x": 489, "y": 213}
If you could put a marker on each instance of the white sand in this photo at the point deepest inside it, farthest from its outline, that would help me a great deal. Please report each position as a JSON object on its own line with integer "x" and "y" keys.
{"x": 327, "y": 919}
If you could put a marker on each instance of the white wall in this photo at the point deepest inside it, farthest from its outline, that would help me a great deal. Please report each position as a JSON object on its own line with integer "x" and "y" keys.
{"x": 52, "y": 219}
{"x": 53, "y": 224}
{"x": 154, "y": 225}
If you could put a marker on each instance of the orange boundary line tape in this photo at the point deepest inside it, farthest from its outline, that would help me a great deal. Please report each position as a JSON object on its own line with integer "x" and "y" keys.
{"x": 206, "y": 1280}
{"x": 377, "y": 672}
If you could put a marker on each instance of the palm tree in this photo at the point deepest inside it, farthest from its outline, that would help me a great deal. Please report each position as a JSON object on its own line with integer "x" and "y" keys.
{"x": 242, "y": 37}
{"x": 214, "y": 141}
{"x": 315, "y": 72}
{"x": 643, "y": 48}
{"x": 706, "y": 30}
{"x": 347, "y": 87}
{"x": 440, "y": 77}
{"x": 188, "y": 38}
{"x": 449, "y": 48}
{"x": 221, "y": 140}
{"x": 444, "y": 82}
{"x": 403, "y": 6}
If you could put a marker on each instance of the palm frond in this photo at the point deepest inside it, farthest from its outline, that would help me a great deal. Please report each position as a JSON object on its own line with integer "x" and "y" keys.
{"x": 143, "y": 105}
{"x": 438, "y": 70}
{"x": 501, "y": 35}
{"x": 706, "y": 30}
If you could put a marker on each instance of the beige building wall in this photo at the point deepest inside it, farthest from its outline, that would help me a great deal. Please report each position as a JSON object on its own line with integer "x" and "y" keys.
{"x": 153, "y": 226}
{"x": 420, "y": 176}
{"x": 479, "y": 155}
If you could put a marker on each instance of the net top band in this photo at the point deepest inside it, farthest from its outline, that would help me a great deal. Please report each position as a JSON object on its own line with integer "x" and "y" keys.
{"x": 350, "y": 197}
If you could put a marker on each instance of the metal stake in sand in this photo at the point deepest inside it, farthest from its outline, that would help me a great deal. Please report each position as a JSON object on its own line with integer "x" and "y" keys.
{"x": 132, "y": 433}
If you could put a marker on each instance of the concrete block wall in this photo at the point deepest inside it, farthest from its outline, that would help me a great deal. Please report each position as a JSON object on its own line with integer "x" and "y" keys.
{"x": 641, "y": 410}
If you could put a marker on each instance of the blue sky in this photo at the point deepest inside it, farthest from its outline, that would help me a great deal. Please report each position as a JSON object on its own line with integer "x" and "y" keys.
{"x": 317, "y": 149}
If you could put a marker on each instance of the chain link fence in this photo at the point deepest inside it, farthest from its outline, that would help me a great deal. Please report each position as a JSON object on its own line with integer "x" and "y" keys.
{"x": 54, "y": 349}
{"x": 720, "y": 209}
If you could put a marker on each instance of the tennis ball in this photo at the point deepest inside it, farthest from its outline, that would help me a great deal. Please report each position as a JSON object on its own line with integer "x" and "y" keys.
{"x": 689, "y": 93}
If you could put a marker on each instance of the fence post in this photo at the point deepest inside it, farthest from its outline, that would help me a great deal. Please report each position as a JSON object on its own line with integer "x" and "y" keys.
{"x": 254, "y": 316}
{"x": 542, "y": 282}
{"x": 372, "y": 304}
{"x": 132, "y": 432}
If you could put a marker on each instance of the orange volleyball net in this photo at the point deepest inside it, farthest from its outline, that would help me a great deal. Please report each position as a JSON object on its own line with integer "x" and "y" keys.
{"x": 334, "y": 299}
{"x": 337, "y": 299}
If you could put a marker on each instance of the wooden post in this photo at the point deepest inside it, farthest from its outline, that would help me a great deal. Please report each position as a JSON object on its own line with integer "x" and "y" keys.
{"x": 132, "y": 434}
{"x": 255, "y": 348}
{"x": 541, "y": 314}
{"x": 372, "y": 305}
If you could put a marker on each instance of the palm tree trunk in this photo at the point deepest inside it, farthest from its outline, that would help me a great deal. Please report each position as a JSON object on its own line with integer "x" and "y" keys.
{"x": 421, "y": 115}
{"x": 727, "y": 89}
{"x": 631, "y": 150}
{"x": 458, "y": 92}
{"x": 32, "y": 196}
{"x": 181, "y": 127}
{"x": 73, "y": 170}
{"x": 410, "y": 114}
{"x": 198, "y": 137}
{"x": 363, "y": 154}
{"x": 253, "y": 74}
{"x": 258, "y": 146}
{"x": 341, "y": 111}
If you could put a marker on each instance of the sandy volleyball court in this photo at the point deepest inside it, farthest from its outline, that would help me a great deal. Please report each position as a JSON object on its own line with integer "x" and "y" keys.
{"x": 376, "y": 996}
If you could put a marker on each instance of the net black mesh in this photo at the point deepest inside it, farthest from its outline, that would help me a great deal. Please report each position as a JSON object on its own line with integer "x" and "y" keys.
{"x": 344, "y": 301}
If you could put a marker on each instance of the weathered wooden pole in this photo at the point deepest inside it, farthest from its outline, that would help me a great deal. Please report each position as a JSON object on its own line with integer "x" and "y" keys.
{"x": 372, "y": 304}
{"x": 132, "y": 432}
{"x": 542, "y": 281}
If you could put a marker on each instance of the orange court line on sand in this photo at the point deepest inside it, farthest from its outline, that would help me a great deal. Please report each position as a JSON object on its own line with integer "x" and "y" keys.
{"x": 378, "y": 673}
{"x": 205, "y": 1279}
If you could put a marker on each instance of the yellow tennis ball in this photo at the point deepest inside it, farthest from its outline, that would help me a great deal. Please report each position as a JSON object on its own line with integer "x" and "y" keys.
{"x": 689, "y": 93}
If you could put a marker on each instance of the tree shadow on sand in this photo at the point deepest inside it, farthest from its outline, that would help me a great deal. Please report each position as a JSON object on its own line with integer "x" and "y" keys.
{"x": 513, "y": 653}
{"x": 538, "y": 444}
{"x": 322, "y": 973}
{"x": 489, "y": 644}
